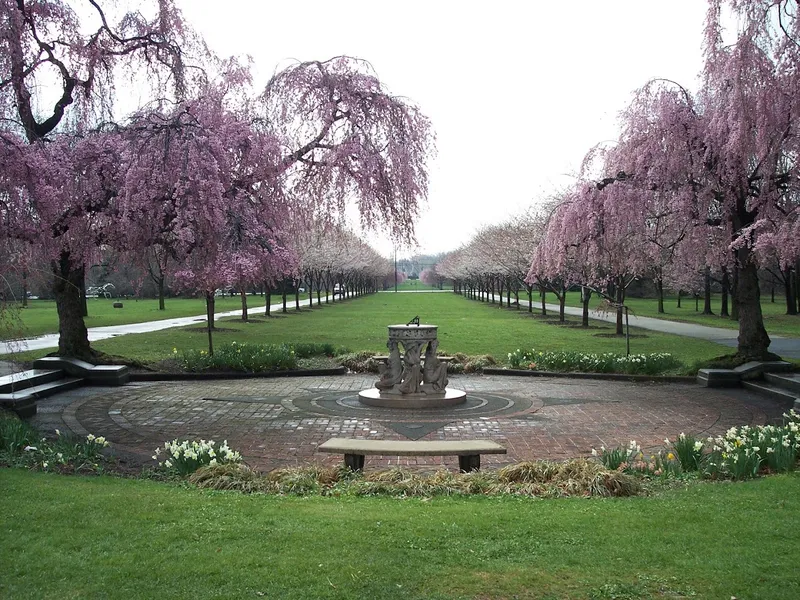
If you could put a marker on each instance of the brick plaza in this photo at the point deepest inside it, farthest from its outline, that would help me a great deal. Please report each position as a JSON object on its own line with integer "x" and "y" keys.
{"x": 279, "y": 422}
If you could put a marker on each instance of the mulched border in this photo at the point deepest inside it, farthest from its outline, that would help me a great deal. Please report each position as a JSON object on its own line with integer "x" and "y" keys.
{"x": 606, "y": 376}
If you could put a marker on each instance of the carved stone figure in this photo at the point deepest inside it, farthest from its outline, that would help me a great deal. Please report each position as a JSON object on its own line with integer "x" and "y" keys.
{"x": 435, "y": 371}
{"x": 392, "y": 372}
{"x": 412, "y": 371}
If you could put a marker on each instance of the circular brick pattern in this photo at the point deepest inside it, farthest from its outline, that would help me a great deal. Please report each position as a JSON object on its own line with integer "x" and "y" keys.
{"x": 478, "y": 404}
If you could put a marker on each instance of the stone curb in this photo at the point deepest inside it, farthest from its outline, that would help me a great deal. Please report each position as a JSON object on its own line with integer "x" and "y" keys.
{"x": 606, "y": 376}
{"x": 235, "y": 375}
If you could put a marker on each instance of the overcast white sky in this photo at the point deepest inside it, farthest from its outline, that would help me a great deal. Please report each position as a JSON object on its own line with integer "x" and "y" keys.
{"x": 517, "y": 92}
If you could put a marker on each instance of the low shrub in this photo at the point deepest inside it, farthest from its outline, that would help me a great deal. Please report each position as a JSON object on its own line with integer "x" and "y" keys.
{"x": 608, "y": 362}
{"x": 359, "y": 362}
{"x": 476, "y": 364}
{"x": 249, "y": 358}
{"x": 307, "y": 350}
{"x": 186, "y": 457}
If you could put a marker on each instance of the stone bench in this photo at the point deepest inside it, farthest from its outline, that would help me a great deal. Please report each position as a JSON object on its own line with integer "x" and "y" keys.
{"x": 468, "y": 451}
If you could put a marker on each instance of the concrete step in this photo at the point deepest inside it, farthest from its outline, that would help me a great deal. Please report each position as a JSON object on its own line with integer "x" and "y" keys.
{"x": 23, "y": 402}
{"x": 772, "y": 391}
{"x": 92, "y": 374}
{"x": 787, "y": 381}
{"x": 28, "y": 379}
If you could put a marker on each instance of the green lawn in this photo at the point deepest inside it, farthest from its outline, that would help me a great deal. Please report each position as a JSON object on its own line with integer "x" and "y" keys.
{"x": 415, "y": 285}
{"x": 40, "y": 317}
{"x": 776, "y": 321}
{"x": 103, "y": 537}
{"x": 464, "y": 326}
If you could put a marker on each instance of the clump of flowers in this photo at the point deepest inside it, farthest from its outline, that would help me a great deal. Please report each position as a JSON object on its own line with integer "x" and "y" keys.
{"x": 186, "y": 457}
{"x": 608, "y": 362}
{"x": 22, "y": 445}
{"x": 630, "y": 459}
{"x": 688, "y": 450}
{"x": 742, "y": 451}
{"x": 619, "y": 458}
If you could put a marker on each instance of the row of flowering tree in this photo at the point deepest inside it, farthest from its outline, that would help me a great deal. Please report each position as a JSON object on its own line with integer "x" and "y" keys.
{"x": 495, "y": 261}
{"x": 205, "y": 175}
{"x": 335, "y": 262}
{"x": 697, "y": 183}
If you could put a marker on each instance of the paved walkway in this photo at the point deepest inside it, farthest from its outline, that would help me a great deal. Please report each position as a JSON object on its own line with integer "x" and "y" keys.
{"x": 782, "y": 346}
{"x": 280, "y": 422}
{"x": 50, "y": 340}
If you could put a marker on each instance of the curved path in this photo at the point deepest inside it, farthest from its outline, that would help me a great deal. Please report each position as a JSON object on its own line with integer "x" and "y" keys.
{"x": 279, "y": 422}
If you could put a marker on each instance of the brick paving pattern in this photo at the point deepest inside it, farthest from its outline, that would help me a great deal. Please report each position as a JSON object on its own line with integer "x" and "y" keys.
{"x": 280, "y": 422}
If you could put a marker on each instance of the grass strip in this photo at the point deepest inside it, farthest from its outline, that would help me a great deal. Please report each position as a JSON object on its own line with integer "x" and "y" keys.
{"x": 78, "y": 537}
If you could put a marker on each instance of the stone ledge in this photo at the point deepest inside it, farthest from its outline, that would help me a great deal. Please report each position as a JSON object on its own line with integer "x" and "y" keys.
{"x": 24, "y": 405}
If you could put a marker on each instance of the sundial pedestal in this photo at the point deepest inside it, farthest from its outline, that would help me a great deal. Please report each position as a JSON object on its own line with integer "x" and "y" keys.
{"x": 413, "y": 380}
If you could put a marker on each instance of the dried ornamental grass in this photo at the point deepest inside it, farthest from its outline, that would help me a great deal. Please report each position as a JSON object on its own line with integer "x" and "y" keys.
{"x": 538, "y": 479}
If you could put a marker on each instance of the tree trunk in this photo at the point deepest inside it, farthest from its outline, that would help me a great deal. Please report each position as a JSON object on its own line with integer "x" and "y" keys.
{"x": 268, "y": 298}
{"x": 500, "y": 290}
{"x": 660, "y": 292}
{"x": 73, "y": 339}
{"x": 562, "y": 300}
{"x": 530, "y": 298}
{"x": 160, "y": 284}
{"x": 620, "y": 300}
{"x": 707, "y": 292}
{"x": 788, "y": 290}
{"x": 797, "y": 284}
{"x": 735, "y": 295}
{"x": 210, "y": 321}
{"x": 84, "y": 303}
{"x": 297, "y": 298}
{"x": 723, "y": 309}
{"x": 586, "y": 297}
{"x": 753, "y": 339}
{"x": 543, "y": 294}
{"x": 283, "y": 295}
{"x": 243, "y": 294}
{"x": 24, "y": 288}
{"x": 680, "y": 293}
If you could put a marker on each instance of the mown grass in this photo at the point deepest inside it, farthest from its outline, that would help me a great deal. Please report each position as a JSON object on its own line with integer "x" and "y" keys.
{"x": 776, "y": 321}
{"x": 415, "y": 285}
{"x": 465, "y": 326}
{"x": 40, "y": 317}
{"x": 79, "y": 537}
